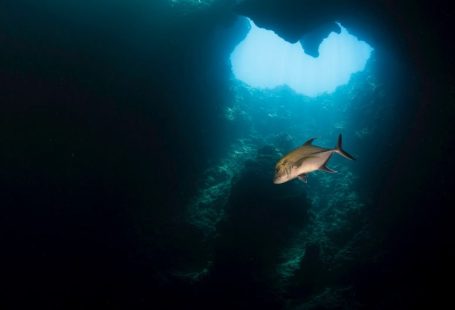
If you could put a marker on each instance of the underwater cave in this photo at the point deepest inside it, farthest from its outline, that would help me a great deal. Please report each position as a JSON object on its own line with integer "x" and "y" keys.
{"x": 141, "y": 141}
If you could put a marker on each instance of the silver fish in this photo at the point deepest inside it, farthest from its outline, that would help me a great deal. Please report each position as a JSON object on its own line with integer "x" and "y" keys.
{"x": 305, "y": 159}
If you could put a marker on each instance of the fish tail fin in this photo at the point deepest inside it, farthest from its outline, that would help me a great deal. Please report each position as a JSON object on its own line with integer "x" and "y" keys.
{"x": 339, "y": 149}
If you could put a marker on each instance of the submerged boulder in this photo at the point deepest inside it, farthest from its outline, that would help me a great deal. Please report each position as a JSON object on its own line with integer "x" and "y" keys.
{"x": 260, "y": 220}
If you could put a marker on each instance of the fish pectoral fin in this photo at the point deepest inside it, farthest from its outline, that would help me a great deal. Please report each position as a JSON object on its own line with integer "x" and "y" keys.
{"x": 299, "y": 162}
{"x": 327, "y": 169}
{"x": 303, "y": 177}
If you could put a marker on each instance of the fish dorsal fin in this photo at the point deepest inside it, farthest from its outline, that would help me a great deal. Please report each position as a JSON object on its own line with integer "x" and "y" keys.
{"x": 309, "y": 142}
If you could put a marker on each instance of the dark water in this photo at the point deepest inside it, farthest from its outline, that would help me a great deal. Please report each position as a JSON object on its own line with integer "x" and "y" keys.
{"x": 136, "y": 171}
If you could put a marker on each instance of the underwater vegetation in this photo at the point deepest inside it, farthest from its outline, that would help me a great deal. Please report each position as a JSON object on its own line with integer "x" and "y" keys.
{"x": 330, "y": 218}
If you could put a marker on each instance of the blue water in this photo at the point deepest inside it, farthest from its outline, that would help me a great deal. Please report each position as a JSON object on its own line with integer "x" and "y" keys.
{"x": 139, "y": 142}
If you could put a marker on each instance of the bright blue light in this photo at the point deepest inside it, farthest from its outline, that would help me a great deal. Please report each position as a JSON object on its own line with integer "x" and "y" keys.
{"x": 264, "y": 60}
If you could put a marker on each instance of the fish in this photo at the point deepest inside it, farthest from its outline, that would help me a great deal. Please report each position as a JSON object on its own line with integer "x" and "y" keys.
{"x": 305, "y": 159}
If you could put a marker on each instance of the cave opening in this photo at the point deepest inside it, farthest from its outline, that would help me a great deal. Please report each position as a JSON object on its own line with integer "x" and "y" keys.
{"x": 264, "y": 60}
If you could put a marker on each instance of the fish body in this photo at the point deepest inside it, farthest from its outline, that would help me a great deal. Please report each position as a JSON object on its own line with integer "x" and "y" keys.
{"x": 305, "y": 159}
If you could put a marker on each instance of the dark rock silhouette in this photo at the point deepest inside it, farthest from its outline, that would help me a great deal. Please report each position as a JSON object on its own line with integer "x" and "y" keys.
{"x": 261, "y": 219}
{"x": 311, "y": 40}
